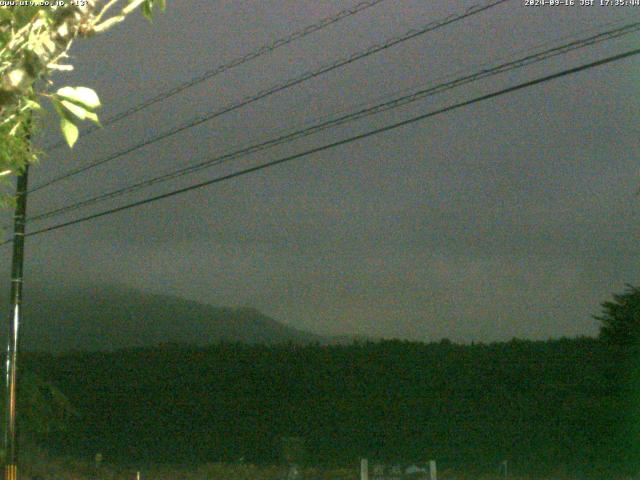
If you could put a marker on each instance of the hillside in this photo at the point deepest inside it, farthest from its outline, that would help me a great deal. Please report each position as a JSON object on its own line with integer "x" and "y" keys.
{"x": 110, "y": 318}
{"x": 543, "y": 406}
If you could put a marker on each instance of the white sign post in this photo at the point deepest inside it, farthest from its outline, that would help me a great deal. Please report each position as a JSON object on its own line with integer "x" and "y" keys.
{"x": 364, "y": 469}
{"x": 433, "y": 473}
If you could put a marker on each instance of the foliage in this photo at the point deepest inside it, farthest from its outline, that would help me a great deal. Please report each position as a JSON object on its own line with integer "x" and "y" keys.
{"x": 44, "y": 409}
{"x": 34, "y": 43}
{"x": 538, "y": 404}
{"x": 621, "y": 318}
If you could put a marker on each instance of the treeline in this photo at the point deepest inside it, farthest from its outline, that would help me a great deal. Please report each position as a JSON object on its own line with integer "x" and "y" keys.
{"x": 543, "y": 406}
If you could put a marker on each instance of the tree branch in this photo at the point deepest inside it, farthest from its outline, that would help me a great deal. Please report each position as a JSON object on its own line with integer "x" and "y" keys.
{"x": 104, "y": 10}
{"x": 111, "y": 22}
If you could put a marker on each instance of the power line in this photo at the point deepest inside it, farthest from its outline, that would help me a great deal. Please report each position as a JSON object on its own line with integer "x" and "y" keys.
{"x": 413, "y": 33}
{"x": 276, "y": 44}
{"x": 354, "y": 138}
{"x": 395, "y": 103}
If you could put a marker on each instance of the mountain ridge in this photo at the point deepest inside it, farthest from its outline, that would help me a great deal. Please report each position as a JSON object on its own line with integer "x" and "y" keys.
{"x": 113, "y": 317}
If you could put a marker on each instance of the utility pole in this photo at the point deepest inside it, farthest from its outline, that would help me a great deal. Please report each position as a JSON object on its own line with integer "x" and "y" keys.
{"x": 10, "y": 434}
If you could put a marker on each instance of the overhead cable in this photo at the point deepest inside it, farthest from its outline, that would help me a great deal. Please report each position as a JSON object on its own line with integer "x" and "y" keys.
{"x": 388, "y": 105}
{"x": 413, "y": 33}
{"x": 345, "y": 141}
{"x": 209, "y": 74}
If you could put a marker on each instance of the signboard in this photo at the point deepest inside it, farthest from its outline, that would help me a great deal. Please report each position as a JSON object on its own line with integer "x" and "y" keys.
{"x": 399, "y": 472}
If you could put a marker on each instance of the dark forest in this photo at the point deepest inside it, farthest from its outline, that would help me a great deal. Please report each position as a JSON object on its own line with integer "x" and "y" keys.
{"x": 563, "y": 404}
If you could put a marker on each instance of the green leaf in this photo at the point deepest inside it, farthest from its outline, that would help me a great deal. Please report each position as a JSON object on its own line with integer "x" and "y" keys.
{"x": 76, "y": 110}
{"x": 93, "y": 117}
{"x": 58, "y": 106}
{"x": 62, "y": 111}
{"x": 32, "y": 105}
{"x": 162, "y": 5}
{"x": 6, "y": 14}
{"x": 23, "y": 15}
{"x": 80, "y": 95}
{"x": 147, "y": 8}
{"x": 70, "y": 131}
{"x": 69, "y": 110}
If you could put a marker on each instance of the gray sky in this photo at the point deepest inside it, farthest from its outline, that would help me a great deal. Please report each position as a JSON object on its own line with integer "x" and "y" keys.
{"x": 513, "y": 217}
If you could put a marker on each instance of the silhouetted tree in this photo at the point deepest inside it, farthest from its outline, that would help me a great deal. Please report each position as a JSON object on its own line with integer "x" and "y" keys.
{"x": 43, "y": 410}
{"x": 621, "y": 318}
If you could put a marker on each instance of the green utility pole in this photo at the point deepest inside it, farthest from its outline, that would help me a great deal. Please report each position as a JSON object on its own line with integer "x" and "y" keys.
{"x": 10, "y": 436}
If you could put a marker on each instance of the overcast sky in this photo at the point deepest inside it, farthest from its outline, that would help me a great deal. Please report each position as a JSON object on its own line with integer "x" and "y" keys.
{"x": 513, "y": 217}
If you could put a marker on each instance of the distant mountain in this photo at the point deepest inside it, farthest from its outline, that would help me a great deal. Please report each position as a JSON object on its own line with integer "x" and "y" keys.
{"x": 109, "y": 318}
